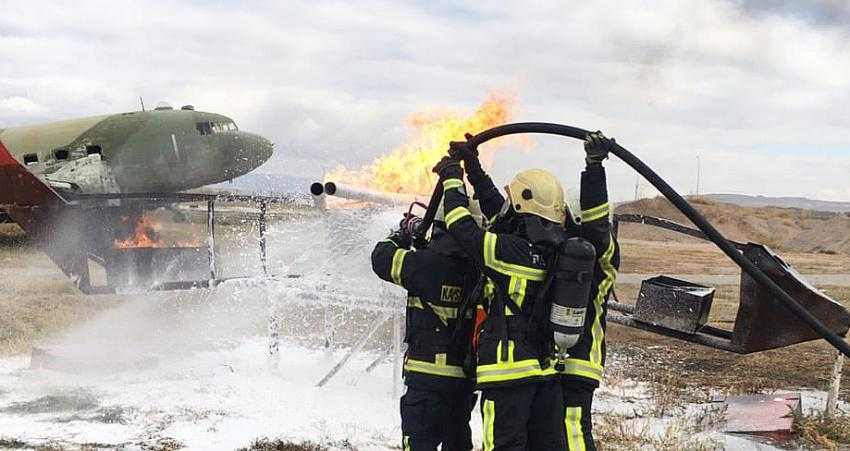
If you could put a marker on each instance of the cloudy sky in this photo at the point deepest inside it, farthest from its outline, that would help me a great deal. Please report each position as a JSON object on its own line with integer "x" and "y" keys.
{"x": 758, "y": 90}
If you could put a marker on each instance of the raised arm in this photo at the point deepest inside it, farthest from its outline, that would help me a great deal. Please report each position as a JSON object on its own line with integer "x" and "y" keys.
{"x": 595, "y": 206}
{"x": 456, "y": 204}
{"x": 488, "y": 195}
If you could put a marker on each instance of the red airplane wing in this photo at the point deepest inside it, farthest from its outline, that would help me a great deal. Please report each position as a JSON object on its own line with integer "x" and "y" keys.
{"x": 19, "y": 187}
{"x": 45, "y": 216}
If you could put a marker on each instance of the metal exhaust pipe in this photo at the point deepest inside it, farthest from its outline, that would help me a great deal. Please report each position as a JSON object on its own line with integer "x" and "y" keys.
{"x": 366, "y": 195}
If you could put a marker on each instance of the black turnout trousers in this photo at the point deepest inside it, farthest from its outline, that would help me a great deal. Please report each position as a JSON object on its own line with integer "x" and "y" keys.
{"x": 578, "y": 400}
{"x": 523, "y": 417}
{"x": 431, "y": 417}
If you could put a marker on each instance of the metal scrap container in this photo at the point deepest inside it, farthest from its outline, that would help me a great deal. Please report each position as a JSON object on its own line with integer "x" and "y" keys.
{"x": 146, "y": 266}
{"x": 673, "y": 304}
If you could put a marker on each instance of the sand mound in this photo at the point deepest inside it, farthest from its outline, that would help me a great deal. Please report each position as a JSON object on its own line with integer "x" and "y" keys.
{"x": 790, "y": 229}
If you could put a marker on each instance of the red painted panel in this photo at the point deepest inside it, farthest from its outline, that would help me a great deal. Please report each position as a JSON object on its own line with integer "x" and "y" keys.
{"x": 19, "y": 187}
{"x": 767, "y": 415}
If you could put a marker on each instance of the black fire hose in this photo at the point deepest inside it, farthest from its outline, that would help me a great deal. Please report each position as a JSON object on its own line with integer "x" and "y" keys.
{"x": 431, "y": 212}
{"x": 695, "y": 216}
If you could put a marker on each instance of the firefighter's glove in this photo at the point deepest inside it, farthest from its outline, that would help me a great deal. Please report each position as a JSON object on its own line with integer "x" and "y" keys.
{"x": 449, "y": 168}
{"x": 401, "y": 238}
{"x": 468, "y": 153}
{"x": 597, "y": 147}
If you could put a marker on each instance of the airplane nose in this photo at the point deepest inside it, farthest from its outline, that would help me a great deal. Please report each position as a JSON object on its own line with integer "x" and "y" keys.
{"x": 256, "y": 150}
{"x": 266, "y": 148}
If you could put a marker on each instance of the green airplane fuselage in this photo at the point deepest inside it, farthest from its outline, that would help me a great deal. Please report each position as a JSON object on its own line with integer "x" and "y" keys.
{"x": 146, "y": 151}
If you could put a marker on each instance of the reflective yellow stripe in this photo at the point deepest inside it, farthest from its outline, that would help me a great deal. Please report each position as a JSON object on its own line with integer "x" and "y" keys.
{"x": 507, "y": 371}
{"x": 406, "y": 443}
{"x": 489, "y": 291}
{"x": 414, "y": 302}
{"x": 604, "y": 288}
{"x": 510, "y": 269}
{"x": 444, "y": 313}
{"x": 516, "y": 290}
{"x": 398, "y": 262}
{"x": 596, "y": 213}
{"x": 436, "y": 368}
{"x": 452, "y": 183}
{"x": 488, "y": 412}
{"x": 575, "y": 435}
{"x": 456, "y": 214}
{"x": 578, "y": 367}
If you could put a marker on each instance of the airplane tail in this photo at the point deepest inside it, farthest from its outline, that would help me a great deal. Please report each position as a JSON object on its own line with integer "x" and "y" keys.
{"x": 45, "y": 216}
{"x": 19, "y": 187}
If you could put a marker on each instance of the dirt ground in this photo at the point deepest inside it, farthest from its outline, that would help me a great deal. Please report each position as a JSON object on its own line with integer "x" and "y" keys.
{"x": 697, "y": 257}
{"x": 36, "y": 300}
{"x": 785, "y": 229}
{"x": 643, "y": 355}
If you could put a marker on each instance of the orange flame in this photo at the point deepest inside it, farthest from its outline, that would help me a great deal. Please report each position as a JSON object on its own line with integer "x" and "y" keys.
{"x": 407, "y": 169}
{"x": 144, "y": 235}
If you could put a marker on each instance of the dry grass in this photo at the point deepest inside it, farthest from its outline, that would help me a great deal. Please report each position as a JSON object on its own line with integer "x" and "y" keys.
{"x": 697, "y": 257}
{"x": 818, "y": 432}
{"x": 36, "y": 303}
{"x": 265, "y": 444}
{"x": 12, "y": 444}
{"x": 647, "y": 357}
{"x": 614, "y": 432}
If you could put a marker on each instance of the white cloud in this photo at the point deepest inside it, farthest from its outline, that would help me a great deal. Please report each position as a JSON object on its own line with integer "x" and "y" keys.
{"x": 21, "y": 106}
{"x": 333, "y": 81}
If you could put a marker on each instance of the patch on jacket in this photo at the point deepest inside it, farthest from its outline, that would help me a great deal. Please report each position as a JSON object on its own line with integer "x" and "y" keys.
{"x": 538, "y": 260}
{"x": 451, "y": 294}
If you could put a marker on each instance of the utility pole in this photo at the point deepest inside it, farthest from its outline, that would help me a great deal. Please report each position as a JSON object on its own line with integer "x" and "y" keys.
{"x": 637, "y": 187}
{"x": 699, "y": 173}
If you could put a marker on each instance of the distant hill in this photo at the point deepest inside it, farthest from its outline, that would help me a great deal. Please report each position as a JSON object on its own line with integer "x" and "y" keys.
{"x": 787, "y": 202}
{"x": 793, "y": 229}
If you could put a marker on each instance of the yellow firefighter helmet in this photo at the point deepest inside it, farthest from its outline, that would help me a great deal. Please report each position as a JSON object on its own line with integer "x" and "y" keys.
{"x": 538, "y": 192}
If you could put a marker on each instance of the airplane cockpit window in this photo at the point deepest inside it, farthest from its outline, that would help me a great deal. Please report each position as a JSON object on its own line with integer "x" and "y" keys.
{"x": 31, "y": 158}
{"x": 209, "y": 128}
{"x": 204, "y": 128}
{"x": 93, "y": 149}
{"x": 61, "y": 154}
{"x": 221, "y": 127}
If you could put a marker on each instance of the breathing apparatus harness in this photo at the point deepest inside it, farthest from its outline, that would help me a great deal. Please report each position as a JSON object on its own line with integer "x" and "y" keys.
{"x": 557, "y": 313}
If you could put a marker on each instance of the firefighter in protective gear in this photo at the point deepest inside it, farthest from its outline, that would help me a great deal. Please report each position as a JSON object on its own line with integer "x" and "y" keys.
{"x": 581, "y": 372}
{"x": 521, "y": 401}
{"x": 440, "y": 395}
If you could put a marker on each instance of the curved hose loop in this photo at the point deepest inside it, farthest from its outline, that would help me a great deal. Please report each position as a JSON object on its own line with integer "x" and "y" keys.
{"x": 676, "y": 199}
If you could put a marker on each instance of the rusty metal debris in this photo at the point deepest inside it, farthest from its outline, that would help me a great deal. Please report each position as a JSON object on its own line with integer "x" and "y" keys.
{"x": 770, "y": 416}
{"x": 762, "y": 321}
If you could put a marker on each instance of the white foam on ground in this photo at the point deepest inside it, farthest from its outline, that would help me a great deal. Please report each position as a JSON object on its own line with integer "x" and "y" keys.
{"x": 219, "y": 399}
